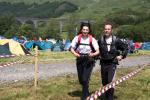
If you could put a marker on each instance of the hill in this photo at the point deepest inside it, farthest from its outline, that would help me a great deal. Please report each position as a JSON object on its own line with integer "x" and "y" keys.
{"x": 44, "y": 10}
{"x": 130, "y": 17}
{"x": 89, "y": 8}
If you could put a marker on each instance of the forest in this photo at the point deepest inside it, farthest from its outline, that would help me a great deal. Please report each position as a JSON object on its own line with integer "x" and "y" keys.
{"x": 131, "y": 19}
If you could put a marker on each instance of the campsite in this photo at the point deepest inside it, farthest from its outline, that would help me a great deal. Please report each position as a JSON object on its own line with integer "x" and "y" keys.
{"x": 57, "y": 73}
{"x": 42, "y": 46}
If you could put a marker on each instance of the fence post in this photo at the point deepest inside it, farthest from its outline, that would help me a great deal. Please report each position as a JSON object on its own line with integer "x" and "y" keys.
{"x": 36, "y": 68}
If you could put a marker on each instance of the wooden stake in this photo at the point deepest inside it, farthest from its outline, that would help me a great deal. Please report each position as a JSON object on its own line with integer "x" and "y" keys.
{"x": 36, "y": 67}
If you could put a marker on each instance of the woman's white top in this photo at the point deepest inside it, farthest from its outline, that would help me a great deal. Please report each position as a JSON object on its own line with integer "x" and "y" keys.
{"x": 84, "y": 49}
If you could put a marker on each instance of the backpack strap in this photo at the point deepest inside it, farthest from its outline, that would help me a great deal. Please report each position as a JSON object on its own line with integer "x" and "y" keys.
{"x": 90, "y": 39}
{"x": 102, "y": 39}
{"x": 114, "y": 39}
{"x": 90, "y": 42}
{"x": 79, "y": 40}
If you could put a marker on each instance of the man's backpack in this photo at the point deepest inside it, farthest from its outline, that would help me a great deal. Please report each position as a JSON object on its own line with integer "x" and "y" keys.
{"x": 113, "y": 44}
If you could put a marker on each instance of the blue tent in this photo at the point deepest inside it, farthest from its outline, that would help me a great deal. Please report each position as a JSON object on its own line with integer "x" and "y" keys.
{"x": 48, "y": 45}
{"x": 145, "y": 46}
{"x": 22, "y": 41}
{"x": 28, "y": 45}
{"x": 67, "y": 45}
{"x": 58, "y": 46}
{"x": 1, "y": 37}
{"x": 42, "y": 45}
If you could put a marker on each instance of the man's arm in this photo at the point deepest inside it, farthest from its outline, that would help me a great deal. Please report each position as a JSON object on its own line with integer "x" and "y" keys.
{"x": 123, "y": 47}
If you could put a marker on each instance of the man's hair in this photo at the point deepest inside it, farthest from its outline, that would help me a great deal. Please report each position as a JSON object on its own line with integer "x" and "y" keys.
{"x": 108, "y": 23}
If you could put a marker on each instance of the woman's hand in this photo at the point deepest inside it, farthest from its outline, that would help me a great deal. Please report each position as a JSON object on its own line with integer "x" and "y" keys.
{"x": 91, "y": 54}
{"x": 94, "y": 54}
{"x": 76, "y": 55}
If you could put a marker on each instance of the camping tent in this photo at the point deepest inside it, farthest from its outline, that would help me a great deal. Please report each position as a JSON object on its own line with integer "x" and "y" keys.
{"x": 67, "y": 45}
{"x": 48, "y": 45}
{"x": 58, "y": 46}
{"x": 4, "y": 49}
{"x": 145, "y": 46}
{"x": 42, "y": 45}
{"x": 14, "y": 47}
{"x": 21, "y": 40}
{"x": 1, "y": 37}
{"x": 28, "y": 45}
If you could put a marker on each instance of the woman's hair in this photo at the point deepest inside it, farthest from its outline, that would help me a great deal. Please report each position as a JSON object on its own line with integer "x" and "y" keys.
{"x": 85, "y": 24}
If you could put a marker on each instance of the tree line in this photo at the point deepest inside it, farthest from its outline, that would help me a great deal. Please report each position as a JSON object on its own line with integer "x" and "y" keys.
{"x": 127, "y": 24}
{"x": 45, "y": 10}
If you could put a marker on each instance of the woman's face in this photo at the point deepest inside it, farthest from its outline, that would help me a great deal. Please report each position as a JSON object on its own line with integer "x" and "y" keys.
{"x": 85, "y": 30}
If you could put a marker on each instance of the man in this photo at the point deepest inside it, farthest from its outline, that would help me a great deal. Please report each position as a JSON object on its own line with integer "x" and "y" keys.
{"x": 112, "y": 50}
{"x": 84, "y": 47}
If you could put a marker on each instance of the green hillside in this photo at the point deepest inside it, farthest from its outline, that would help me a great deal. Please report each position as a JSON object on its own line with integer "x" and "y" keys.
{"x": 44, "y": 10}
{"x": 97, "y": 8}
{"x": 128, "y": 16}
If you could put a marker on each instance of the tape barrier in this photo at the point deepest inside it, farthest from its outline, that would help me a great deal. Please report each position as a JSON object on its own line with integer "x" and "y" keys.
{"x": 12, "y": 63}
{"x": 8, "y": 64}
{"x": 103, "y": 89}
{"x": 9, "y": 56}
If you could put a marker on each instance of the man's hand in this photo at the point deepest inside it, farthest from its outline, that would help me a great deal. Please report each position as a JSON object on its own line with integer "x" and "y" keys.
{"x": 119, "y": 58}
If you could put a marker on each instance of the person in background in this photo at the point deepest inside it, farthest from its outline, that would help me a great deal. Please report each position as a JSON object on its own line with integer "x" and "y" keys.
{"x": 84, "y": 47}
{"x": 40, "y": 39}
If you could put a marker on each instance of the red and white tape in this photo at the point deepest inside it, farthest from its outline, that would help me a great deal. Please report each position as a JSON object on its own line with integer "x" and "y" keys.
{"x": 103, "y": 89}
{"x": 8, "y": 56}
{"x": 12, "y": 63}
{"x": 9, "y": 64}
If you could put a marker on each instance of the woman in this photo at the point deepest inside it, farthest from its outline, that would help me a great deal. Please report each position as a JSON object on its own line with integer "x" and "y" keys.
{"x": 84, "y": 47}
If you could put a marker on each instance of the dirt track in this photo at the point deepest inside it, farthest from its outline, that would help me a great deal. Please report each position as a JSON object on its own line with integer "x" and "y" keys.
{"x": 19, "y": 72}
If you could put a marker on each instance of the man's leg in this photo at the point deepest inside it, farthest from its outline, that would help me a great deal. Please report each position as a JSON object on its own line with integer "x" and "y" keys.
{"x": 111, "y": 75}
{"x": 104, "y": 76}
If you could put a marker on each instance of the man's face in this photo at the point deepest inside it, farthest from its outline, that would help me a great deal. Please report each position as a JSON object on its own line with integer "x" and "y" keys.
{"x": 85, "y": 30}
{"x": 108, "y": 30}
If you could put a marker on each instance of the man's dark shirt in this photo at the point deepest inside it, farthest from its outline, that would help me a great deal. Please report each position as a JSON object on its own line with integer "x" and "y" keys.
{"x": 117, "y": 47}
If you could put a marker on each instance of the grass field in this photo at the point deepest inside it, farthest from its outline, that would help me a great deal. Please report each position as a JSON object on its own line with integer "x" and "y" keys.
{"x": 66, "y": 87}
{"x": 46, "y": 56}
